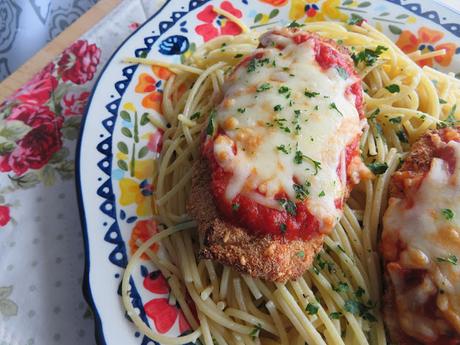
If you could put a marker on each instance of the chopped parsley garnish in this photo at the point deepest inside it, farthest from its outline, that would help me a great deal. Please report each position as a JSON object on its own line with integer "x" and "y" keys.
{"x": 241, "y": 110}
{"x": 451, "y": 120}
{"x": 289, "y": 206}
{"x": 402, "y": 136}
{"x": 195, "y": 116}
{"x": 393, "y": 88}
{"x": 447, "y": 213}
{"x": 359, "y": 292}
{"x": 321, "y": 194}
{"x": 300, "y": 254}
{"x": 237, "y": 56}
{"x": 355, "y": 20}
{"x": 294, "y": 24}
{"x": 251, "y": 66}
{"x": 264, "y": 87}
{"x": 341, "y": 287}
{"x": 442, "y": 101}
{"x": 451, "y": 259}
{"x": 335, "y": 315}
{"x": 281, "y": 123}
{"x": 374, "y": 114}
{"x": 378, "y": 168}
{"x": 211, "y": 127}
{"x": 361, "y": 309}
{"x": 284, "y": 149}
{"x": 283, "y": 89}
{"x": 301, "y": 191}
{"x": 395, "y": 120}
{"x": 283, "y": 228}
{"x": 299, "y": 158}
{"x": 235, "y": 206}
{"x": 310, "y": 94}
{"x": 342, "y": 72}
{"x": 312, "y": 309}
{"x": 277, "y": 107}
{"x": 255, "y": 331}
{"x": 334, "y": 106}
{"x": 368, "y": 56}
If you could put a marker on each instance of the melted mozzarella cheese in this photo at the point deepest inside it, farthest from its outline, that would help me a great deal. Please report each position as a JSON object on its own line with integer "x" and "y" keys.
{"x": 287, "y": 106}
{"x": 430, "y": 235}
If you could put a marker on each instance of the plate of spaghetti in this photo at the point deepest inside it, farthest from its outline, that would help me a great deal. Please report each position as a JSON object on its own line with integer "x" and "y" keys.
{"x": 276, "y": 172}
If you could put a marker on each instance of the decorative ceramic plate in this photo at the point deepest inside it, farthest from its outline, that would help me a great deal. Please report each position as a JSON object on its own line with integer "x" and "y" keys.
{"x": 118, "y": 144}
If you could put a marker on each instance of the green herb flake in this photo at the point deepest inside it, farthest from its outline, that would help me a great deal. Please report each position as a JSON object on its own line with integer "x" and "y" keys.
{"x": 378, "y": 168}
{"x": 195, "y": 116}
{"x": 289, "y": 206}
{"x": 342, "y": 72}
{"x": 251, "y": 66}
{"x": 312, "y": 309}
{"x": 450, "y": 259}
{"x": 442, "y": 101}
{"x": 321, "y": 194}
{"x": 301, "y": 191}
{"x": 310, "y": 94}
{"x": 255, "y": 331}
{"x": 284, "y": 149}
{"x": 237, "y": 56}
{"x": 447, "y": 213}
{"x": 277, "y": 107}
{"x": 241, "y": 110}
{"x": 334, "y": 106}
{"x": 264, "y": 87}
{"x": 393, "y": 88}
{"x": 359, "y": 292}
{"x": 300, "y": 254}
{"x": 294, "y": 24}
{"x": 374, "y": 114}
{"x": 402, "y": 136}
{"x": 361, "y": 309}
{"x": 355, "y": 20}
{"x": 335, "y": 315}
{"x": 283, "y": 89}
{"x": 298, "y": 158}
{"x": 395, "y": 120}
{"x": 235, "y": 207}
{"x": 368, "y": 56}
{"x": 341, "y": 287}
{"x": 210, "y": 129}
{"x": 283, "y": 228}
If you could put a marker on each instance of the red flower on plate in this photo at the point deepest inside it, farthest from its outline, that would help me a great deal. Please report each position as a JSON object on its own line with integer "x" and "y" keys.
{"x": 78, "y": 63}
{"x": 155, "y": 142}
{"x": 216, "y": 25}
{"x": 4, "y": 215}
{"x": 427, "y": 40}
{"x": 163, "y": 314}
{"x": 35, "y": 149}
{"x": 32, "y": 115}
{"x": 73, "y": 104}
{"x": 39, "y": 89}
{"x": 142, "y": 231}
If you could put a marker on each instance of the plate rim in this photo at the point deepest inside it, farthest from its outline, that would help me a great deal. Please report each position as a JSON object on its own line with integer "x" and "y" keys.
{"x": 86, "y": 286}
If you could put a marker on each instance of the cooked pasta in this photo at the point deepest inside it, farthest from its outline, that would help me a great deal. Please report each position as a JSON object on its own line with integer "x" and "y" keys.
{"x": 338, "y": 300}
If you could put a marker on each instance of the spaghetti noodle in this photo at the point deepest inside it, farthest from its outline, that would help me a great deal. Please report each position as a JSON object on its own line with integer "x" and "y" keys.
{"x": 338, "y": 300}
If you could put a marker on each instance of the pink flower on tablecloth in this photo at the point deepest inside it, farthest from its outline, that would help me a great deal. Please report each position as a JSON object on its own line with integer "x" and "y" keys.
{"x": 78, "y": 63}
{"x": 73, "y": 104}
{"x": 216, "y": 25}
{"x": 32, "y": 115}
{"x": 133, "y": 26}
{"x": 35, "y": 149}
{"x": 4, "y": 215}
{"x": 163, "y": 314}
{"x": 39, "y": 89}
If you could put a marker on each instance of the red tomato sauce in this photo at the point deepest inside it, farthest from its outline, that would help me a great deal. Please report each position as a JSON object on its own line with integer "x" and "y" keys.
{"x": 260, "y": 219}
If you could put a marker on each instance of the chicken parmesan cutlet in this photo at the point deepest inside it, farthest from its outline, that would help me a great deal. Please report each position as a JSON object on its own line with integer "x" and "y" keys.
{"x": 279, "y": 156}
{"x": 421, "y": 243}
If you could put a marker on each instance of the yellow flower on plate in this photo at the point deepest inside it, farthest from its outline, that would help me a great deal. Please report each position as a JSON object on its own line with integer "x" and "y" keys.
{"x": 132, "y": 193}
{"x": 143, "y": 169}
{"x": 129, "y": 106}
{"x": 311, "y": 8}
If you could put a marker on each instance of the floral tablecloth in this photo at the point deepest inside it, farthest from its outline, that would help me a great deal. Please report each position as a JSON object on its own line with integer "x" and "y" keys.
{"x": 41, "y": 246}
